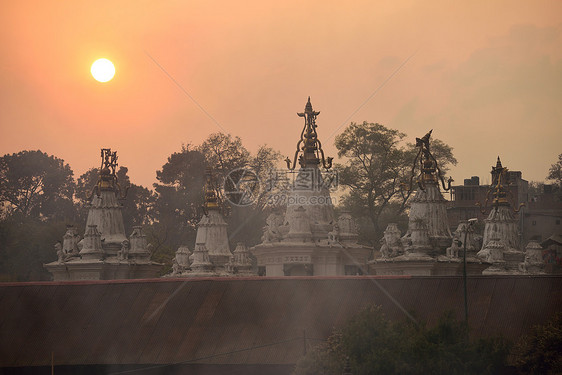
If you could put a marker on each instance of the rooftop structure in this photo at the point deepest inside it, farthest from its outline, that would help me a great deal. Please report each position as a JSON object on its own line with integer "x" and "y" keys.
{"x": 426, "y": 248}
{"x": 211, "y": 255}
{"x": 501, "y": 242}
{"x": 105, "y": 252}
{"x": 304, "y": 238}
{"x": 464, "y": 198}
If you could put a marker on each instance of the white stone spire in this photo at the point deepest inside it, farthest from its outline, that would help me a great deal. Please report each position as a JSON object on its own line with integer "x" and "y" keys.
{"x": 501, "y": 226}
{"x": 105, "y": 209}
{"x": 212, "y": 229}
{"x": 307, "y": 239}
{"x": 104, "y": 253}
{"x": 428, "y": 204}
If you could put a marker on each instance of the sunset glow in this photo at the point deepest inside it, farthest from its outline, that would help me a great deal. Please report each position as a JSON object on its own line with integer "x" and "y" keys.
{"x": 103, "y": 70}
{"x": 485, "y": 76}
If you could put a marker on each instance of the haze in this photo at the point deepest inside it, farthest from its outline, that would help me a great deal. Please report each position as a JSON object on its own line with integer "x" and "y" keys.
{"x": 486, "y": 76}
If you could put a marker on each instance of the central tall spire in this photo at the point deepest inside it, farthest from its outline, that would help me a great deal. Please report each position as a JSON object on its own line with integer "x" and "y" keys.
{"x": 309, "y": 144}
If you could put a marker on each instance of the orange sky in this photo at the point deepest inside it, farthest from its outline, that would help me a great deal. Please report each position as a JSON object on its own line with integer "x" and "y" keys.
{"x": 485, "y": 75}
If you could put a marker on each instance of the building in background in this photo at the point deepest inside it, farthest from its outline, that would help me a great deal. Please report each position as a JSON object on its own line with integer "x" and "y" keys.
{"x": 464, "y": 198}
{"x": 542, "y": 216}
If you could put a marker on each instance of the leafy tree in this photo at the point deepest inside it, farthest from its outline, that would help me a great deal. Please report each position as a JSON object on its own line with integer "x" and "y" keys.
{"x": 26, "y": 243}
{"x": 539, "y": 351}
{"x": 555, "y": 172}
{"x": 179, "y": 195}
{"x": 378, "y": 164}
{"x": 223, "y": 153}
{"x": 246, "y": 222}
{"x": 34, "y": 184}
{"x": 372, "y": 344}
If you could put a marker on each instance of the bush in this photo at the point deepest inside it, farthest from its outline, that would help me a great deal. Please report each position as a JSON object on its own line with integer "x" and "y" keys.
{"x": 374, "y": 345}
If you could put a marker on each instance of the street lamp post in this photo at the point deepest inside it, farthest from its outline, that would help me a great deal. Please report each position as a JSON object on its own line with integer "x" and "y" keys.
{"x": 468, "y": 227}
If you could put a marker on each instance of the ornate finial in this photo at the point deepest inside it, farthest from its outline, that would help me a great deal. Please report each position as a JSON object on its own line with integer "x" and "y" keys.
{"x": 309, "y": 144}
{"x": 499, "y": 189}
{"x": 108, "y": 177}
{"x": 429, "y": 169}
{"x": 211, "y": 196}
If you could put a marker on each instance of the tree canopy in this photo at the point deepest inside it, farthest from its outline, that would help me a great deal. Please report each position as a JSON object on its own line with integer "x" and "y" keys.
{"x": 555, "y": 172}
{"x": 369, "y": 343}
{"x": 33, "y": 183}
{"x": 377, "y": 163}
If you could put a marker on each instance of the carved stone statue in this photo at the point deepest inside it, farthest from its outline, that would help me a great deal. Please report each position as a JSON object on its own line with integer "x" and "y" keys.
{"x": 182, "y": 257}
{"x": 70, "y": 241}
{"x": 334, "y": 235}
{"x": 123, "y": 254}
{"x": 493, "y": 252}
{"x": 390, "y": 243}
{"x": 534, "y": 263}
{"x": 272, "y": 230}
{"x": 60, "y": 253}
{"x": 458, "y": 236}
{"x": 175, "y": 268}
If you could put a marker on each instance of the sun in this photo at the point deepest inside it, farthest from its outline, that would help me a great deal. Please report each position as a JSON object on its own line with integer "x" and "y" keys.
{"x": 103, "y": 70}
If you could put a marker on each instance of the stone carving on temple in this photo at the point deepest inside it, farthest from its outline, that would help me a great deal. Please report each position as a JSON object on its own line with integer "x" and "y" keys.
{"x": 241, "y": 262}
{"x": 307, "y": 238}
{"x": 201, "y": 265}
{"x": 272, "y": 231}
{"x": 105, "y": 252}
{"x": 423, "y": 247}
{"x": 428, "y": 204}
{"x": 391, "y": 245}
{"x": 501, "y": 226}
{"x": 534, "y": 262}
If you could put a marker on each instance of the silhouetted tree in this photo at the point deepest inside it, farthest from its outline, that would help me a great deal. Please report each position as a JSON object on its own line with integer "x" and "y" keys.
{"x": 555, "y": 171}
{"x": 26, "y": 243}
{"x": 223, "y": 153}
{"x": 539, "y": 351}
{"x": 34, "y": 184}
{"x": 179, "y": 196}
{"x": 372, "y": 344}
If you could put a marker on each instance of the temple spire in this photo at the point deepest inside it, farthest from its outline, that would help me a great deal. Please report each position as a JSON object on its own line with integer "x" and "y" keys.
{"x": 429, "y": 169}
{"x": 211, "y": 197}
{"x": 309, "y": 145}
{"x": 107, "y": 180}
{"x": 499, "y": 189}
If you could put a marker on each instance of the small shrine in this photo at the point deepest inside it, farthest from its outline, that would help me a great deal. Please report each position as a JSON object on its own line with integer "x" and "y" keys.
{"x": 211, "y": 255}
{"x": 428, "y": 247}
{"x": 501, "y": 247}
{"x": 302, "y": 237}
{"x": 105, "y": 252}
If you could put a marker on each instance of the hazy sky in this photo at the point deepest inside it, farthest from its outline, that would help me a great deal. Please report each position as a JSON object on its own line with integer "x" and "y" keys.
{"x": 485, "y": 75}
